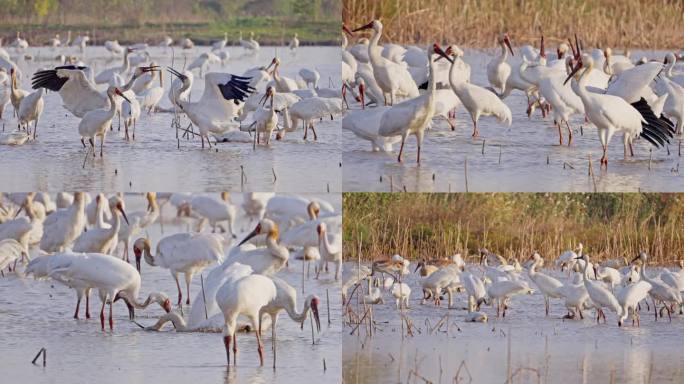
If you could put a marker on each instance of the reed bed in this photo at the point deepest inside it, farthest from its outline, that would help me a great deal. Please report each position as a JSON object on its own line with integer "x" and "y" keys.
{"x": 610, "y": 225}
{"x": 616, "y": 23}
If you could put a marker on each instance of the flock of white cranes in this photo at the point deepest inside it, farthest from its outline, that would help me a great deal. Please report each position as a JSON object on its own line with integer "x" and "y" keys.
{"x": 76, "y": 240}
{"x": 640, "y": 99}
{"x": 621, "y": 286}
{"x": 251, "y": 107}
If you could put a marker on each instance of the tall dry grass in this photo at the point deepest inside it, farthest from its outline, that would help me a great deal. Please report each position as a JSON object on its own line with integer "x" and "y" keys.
{"x": 514, "y": 225}
{"x": 615, "y": 23}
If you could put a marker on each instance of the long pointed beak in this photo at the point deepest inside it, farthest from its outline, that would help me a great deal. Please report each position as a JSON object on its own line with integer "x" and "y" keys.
{"x": 441, "y": 53}
{"x": 174, "y": 72}
{"x": 634, "y": 259}
{"x": 367, "y": 26}
{"x": 251, "y": 234}
{"x": 347, "y": 31}
{"x": 19, "y": 211}
{"x": 124, "y": 215}
{"x": 574, "y": 70}
{"x": 507, "y": 41}
{"x": 314, "y": 310}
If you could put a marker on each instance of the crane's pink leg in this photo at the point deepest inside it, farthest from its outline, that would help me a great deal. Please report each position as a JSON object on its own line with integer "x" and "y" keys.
{"x": 78, "y": 303}
{"x": 111, "y": 318}
{"x": 235, "y": 348}
{"x": 226, "y": 343}
{"x": 180, "y": 294}
{"x": 475, "y": 132}
{"x": 134, "y": 120}
{"x": 560, "y": 135}
{"x": 202, "y": 137}
{"x": 87, "y": 306}
{"x": 260, "y": 349}
{"x": 314, "y": 132}
{"x": 92, "y": 144}
{"x": 401, "y": 149}
{"x": 102, "y": 314}
{"x": 273, "y": 338}
{"x": 418, "y": 157}
{"x": 569, "y": 133}
{"x": 187, "y": 284}
{"x": 631, "y": 150}
{"x": 83, "y": 142}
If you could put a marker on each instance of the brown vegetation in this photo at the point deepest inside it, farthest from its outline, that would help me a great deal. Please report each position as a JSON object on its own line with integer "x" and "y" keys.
{"x": 615, "y": 23}
{"x": 610, "y": 225}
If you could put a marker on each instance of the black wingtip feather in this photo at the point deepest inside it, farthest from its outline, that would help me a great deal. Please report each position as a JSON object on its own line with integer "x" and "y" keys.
{"x": 657, "y": 131}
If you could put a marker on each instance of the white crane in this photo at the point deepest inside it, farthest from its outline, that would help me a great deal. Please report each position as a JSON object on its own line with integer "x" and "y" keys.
{"x": 114, "y": 47}
{"x": 63, "y": 226}
{"x": 106, "y": 76}
{"x": 214, "y": 111}
{"x": 265, "y": 119}
{"x": 187, "y": 44}
{"x": 139, "y": 220}
{"x": 102, "y": 240}
{"x": 244, "y": 295}
{"x": 629, "y": 298}
{"x": 292, "y": 210}
{"x": 612, "y": 113}
{"x": 310, "y": 77}
{"x": 96, "y": 123}
{"x": 501, "y": 291}
{"x": 250, "y": 44}
{"x": 16, "y": 93}
{"x": 365, "y": 124}
{"x": 446, "y": 278}
{"x": 498, "y": 69}
{"x": 660, "y": 291}
{"x": 267, "y": 260}
{"x": 330, "y": 250}
{"x": 26, "y": 230}
{"x": 307, "y": 111}
{"x": 599, "y": 294}
{"x": 216, "y": 211}
{"x": 392, "y": 78}
{"x": 30, "y": 109}
{"x": 79, "y": 95}
{"x": 477, "y": 100}
{"x": 187, "y": 253}
{"x": 254, "y": 204}
{"x": 549, "y": 286}
{"x": 55, "y": 42}
{"x": 203, "y": 61}
{"x": 98, "y": 212}
{"x": 674, "y": 105}
{"x": 412, "y": 116}
{"x": 286, "y": 300}
{"x": 220, "y": 44}
{"x": 282, "y": 83}
{"x": 113, "y": 278}
{"x": 10, "y": 251}
{"x": 474, "y": 286}
{"x": 177, "y": 84}
{"x": 294, "y": 42}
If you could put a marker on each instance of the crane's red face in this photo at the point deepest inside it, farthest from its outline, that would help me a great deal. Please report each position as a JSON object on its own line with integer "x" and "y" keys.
{"x": 314, "y": 311}
{"x": 167, "y": 305}
{"x": 438, "y": 50}
{"x": 119, "y": 206}
{"x": 507, "y": 41}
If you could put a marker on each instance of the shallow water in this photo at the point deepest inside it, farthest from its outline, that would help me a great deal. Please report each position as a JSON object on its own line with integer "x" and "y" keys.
{"x": 525, "y": 343}
{"x": 153, "y": 161}
{"x": 524, "y": 157}
{"x": 36, "y": 314}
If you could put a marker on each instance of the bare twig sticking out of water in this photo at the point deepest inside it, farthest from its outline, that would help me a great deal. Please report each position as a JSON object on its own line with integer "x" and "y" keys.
{"x": 680, "y": 148}
{"x": 86, "y": 157}
{"x": 204, "y": 297}
{"x": 465, "y": 171}
{"x": 313, "y": 339}
{"x": 275, "y": 178}
{"x": 591, "y": 172}
{"x": 328, "y": 186}
{"x": 457, "y": 377}
{"x": 499, "y": 154}
{"x": 42, "y": 351}
{"x": 483, "y": 146}
{"x": 650, "y": 157}
{"x": 359, "y": 323}
{"x": 566, "y": 164}
{"x": 508, "y": 354}
{"x": 325, "y": 368}
{"x": 391, "y": 183}
{"x": 327, "y": 304}
{"x": 547, "y": 160}
{"x": 243, "y": 176}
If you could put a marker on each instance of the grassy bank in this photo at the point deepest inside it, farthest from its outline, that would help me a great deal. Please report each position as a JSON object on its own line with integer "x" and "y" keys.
{"x": 268, "y": 31}
{"x": 513, "y": 225}
{"x": 615, "y": 23}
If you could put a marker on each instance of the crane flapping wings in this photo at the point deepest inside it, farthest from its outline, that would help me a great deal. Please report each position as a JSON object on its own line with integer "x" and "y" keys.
{"x": 49, "y": 79}
{"x": 237, "y": 88}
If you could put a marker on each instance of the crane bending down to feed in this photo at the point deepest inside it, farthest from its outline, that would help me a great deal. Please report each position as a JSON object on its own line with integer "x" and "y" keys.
{"x": 212, "y": 113}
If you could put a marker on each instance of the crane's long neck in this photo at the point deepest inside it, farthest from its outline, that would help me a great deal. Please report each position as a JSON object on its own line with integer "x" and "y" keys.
{"x": 126, "y": 63}
{"x": 456, "y": 86}
{"x": 116, "y": 225}
{"x": 345, "y": 42}
{"x": 133, "y": 301}
{"x": 298, "y": 317}
{"x": 582, "y": 91}
{"x": 374, "y": 54}
{"x": 181, "y": 101}
{"x": 130, "y": 83}
{"x": 275, "y": 248}
{"x": 504, "y": 52}
{"x": 432, "y": 86}
{"x": 112, "y": 106}
{"x": 176, "y": 319}
{"x": 323, "y": 239}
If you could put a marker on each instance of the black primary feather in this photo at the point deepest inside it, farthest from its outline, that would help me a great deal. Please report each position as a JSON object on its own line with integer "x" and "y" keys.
{"x": 655, "y": 130}
{"x": 237, "y": 89}
{"x": 49, "y": 79}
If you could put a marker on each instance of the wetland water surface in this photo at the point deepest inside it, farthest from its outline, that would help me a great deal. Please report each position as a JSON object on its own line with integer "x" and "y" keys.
{"x": 36, "y": 314}
{"x": 153, "y": 161}
{"x": 524, "y": 157}
{"x": 526, "y": 344}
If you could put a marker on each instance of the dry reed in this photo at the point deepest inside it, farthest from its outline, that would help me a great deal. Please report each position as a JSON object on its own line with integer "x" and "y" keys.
{"x": 610, "y": 225}
{"x": 615, "y": 23}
